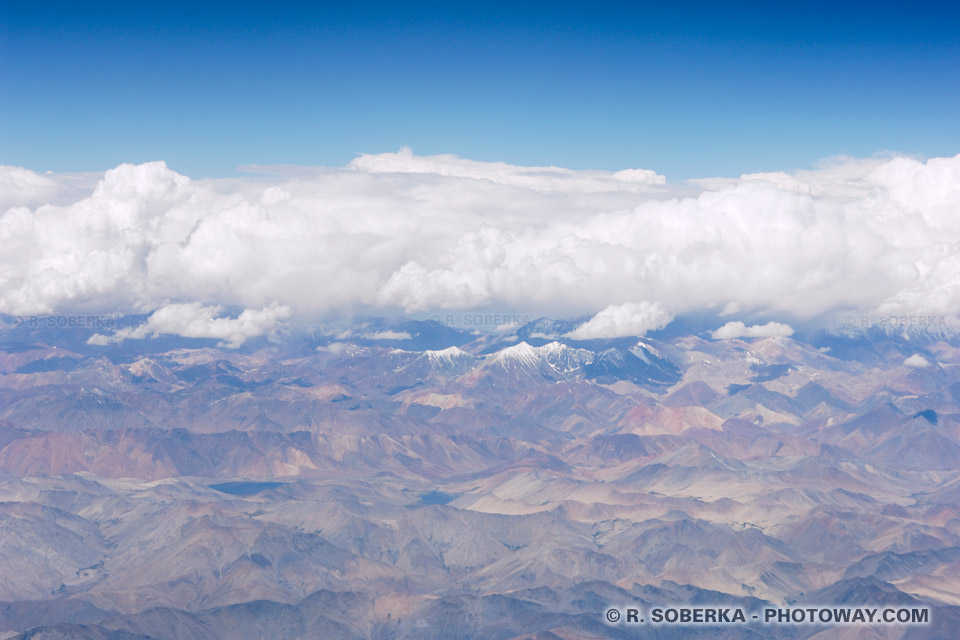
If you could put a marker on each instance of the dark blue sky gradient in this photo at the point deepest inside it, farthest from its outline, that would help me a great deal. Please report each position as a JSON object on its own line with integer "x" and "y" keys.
{"x": 685, "y": 89}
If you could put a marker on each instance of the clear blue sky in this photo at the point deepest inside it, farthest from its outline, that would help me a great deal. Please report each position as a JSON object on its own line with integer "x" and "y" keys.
{"x": 687, "y": 89}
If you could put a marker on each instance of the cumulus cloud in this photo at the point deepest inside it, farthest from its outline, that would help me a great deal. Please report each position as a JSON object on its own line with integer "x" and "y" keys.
{"x": 396, "y": 231}
{"x": 193, "y": 320}
{"x": 622, "y": 320}
{"x": 917, "y": 361}
{"x": 24, "y": 187}
{"x": 740, "y": 330}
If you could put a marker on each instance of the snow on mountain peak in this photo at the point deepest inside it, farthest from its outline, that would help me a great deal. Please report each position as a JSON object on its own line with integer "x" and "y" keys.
{"x": 450, "y": 354}
{"x": 521, "y": 352}
{"x": 641, "y": 349}
{"x": 558, "y": 356}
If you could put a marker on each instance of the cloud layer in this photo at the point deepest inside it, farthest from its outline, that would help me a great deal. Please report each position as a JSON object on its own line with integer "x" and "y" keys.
{"x": 399, "y": 231}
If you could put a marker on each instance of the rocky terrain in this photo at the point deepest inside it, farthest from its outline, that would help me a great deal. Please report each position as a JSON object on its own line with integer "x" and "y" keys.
{"x": 411, "y": 480}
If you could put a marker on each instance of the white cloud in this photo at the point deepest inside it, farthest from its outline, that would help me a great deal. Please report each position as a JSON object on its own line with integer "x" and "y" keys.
{"x": 541, "y": 335}
{"x": 336, "y": 348}
{"x": 731, "y": 308}
{"x": 740, "y": 330}
{"x": 388, "y": 335}
{"x": 877, "y": 236}
{"x": 639, "y": 176}
{"x": 621, "y": 320}
{"x": 193, "y": 320}
{"x": 544, "y": 179}
{"x": 917, "y": 361}
{"x": 19, "y": 187}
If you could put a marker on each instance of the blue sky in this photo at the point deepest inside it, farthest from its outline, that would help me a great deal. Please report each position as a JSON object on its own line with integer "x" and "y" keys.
{"x": 688, "y": 89}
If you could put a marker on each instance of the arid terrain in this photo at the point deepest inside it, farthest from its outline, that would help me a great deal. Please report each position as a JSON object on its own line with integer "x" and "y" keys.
{"x": 411, "y": 480}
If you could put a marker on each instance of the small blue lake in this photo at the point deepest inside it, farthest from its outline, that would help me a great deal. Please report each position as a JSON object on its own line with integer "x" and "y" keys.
{"x": 245, "y": 488}
{"x": 438, "y": 497}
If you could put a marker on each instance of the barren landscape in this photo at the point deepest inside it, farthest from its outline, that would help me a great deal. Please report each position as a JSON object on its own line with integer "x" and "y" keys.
{"x": 448, "y": 484}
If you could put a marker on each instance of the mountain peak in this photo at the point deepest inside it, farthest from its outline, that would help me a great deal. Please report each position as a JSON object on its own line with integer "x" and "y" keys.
{"x": 521, "y": 352}
{"x": 449, "y": 354}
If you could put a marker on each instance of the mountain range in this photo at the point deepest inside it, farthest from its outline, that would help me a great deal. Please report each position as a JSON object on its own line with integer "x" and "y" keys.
{"x": 406, "y": 479}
